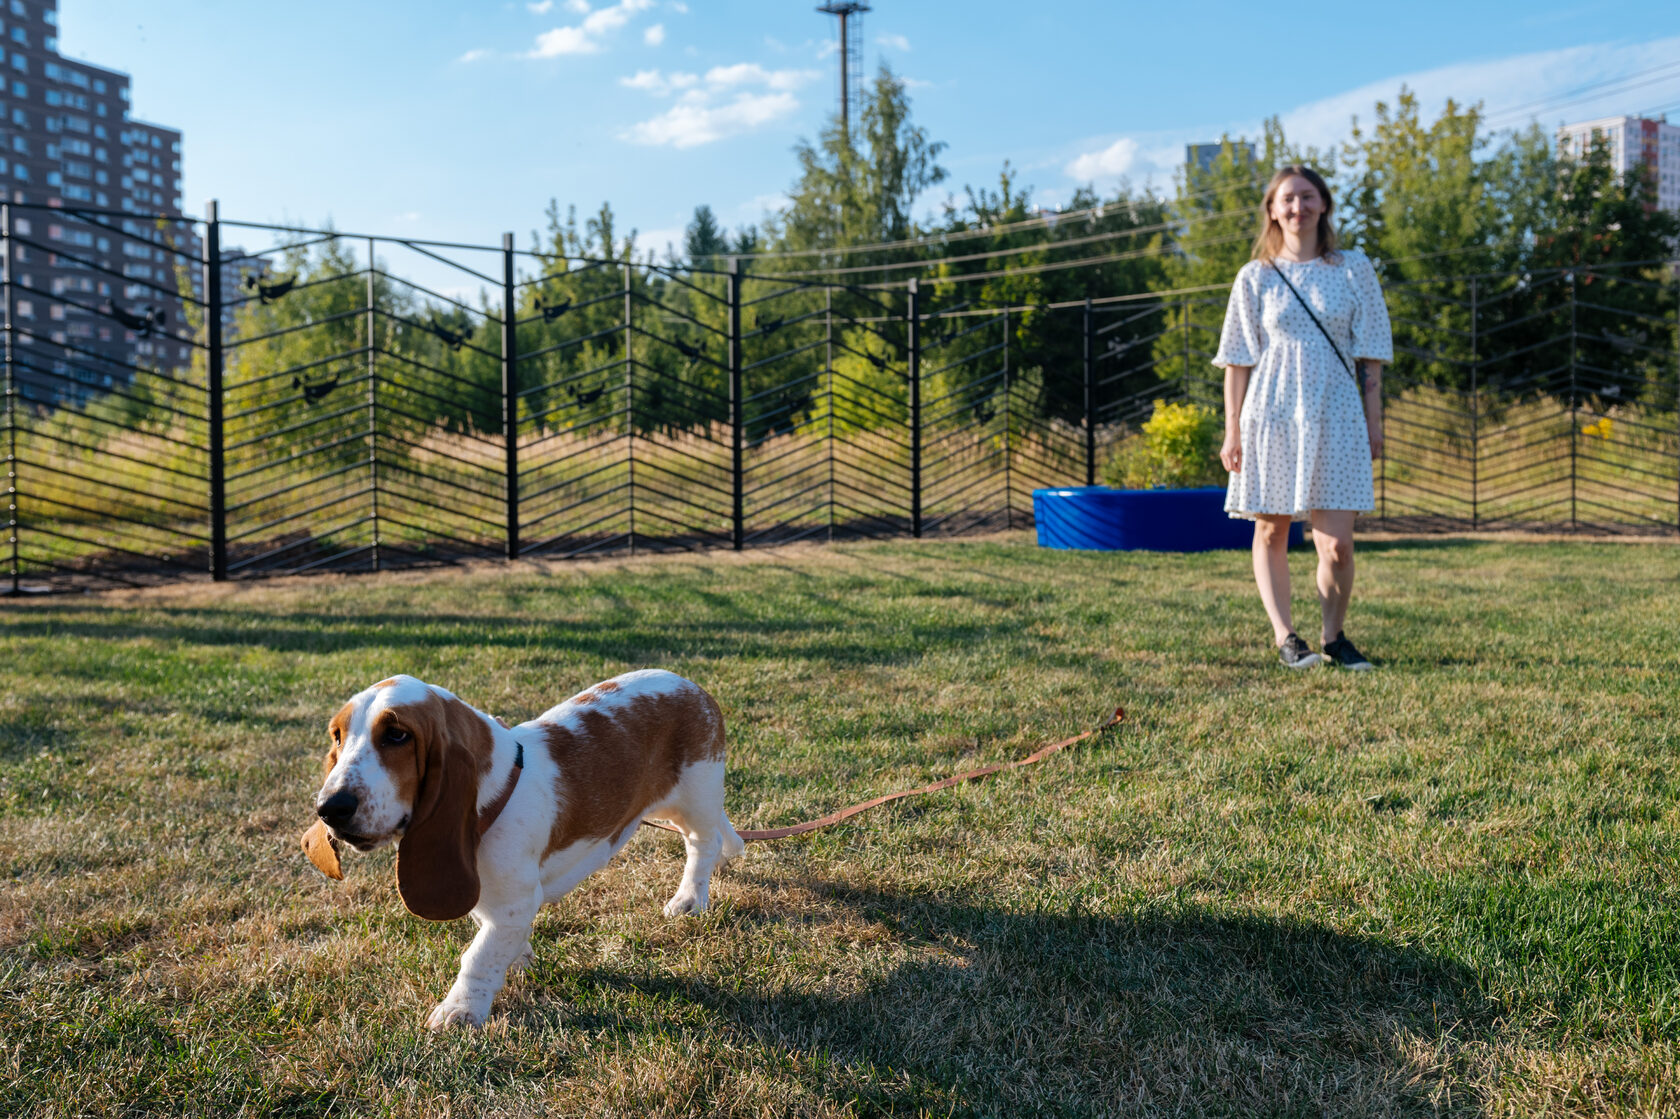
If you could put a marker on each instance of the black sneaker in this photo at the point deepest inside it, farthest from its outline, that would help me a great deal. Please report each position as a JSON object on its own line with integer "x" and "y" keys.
{"x": 1342, "y": 652}
{"x": 1295, "y": 654}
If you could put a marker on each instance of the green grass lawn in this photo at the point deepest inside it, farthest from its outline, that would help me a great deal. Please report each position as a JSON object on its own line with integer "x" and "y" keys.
{"x": 1447, "y": 887}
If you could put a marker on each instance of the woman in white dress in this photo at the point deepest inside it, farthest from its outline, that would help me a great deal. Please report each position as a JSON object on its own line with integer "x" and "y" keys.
{"x": 1303, "y": 403}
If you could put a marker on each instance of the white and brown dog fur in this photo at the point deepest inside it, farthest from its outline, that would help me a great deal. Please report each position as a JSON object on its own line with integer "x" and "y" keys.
{"x": 411, "y": 762}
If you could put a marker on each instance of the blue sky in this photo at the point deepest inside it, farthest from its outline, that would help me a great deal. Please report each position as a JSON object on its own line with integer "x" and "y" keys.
{"x": 458, "y": 121}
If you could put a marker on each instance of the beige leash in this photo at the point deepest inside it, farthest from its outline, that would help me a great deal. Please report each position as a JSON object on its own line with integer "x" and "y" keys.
{"x": 972, "y": 775}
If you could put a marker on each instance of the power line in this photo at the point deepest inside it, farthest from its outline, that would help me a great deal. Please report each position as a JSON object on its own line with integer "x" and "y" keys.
{"x": 1048, "y": 220}
{"x": 1038, "y": 246}
{"x": 1593, "y": 91}
{"x": 1056, "y": 266}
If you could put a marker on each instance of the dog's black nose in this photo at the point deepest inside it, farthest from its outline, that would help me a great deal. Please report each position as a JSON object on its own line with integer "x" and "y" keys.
{"x": 338, "y": 809}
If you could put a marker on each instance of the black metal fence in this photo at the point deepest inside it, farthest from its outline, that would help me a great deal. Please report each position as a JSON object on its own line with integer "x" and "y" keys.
{"x": 303, "y": 406}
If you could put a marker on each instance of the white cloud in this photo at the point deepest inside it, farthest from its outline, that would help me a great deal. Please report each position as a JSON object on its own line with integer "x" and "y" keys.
{"x": 585, "y": 38}
{"x": 679, "y": 6}
{"x": 541, "y": 6}
{"x": 1509, "y": 89}
{"x": 728, "y": 101}
{"x": 746, "y": 73}
{"x": 762, "y": 204}
{"x": 893, "y": 42}
{"x": 688, "y": 124}
{"x": 1106, "y": 166}
{"x": 564, "y": 40}
{"x": 602, "y": 20}
{"x": 581, "y": 7}
{"x": 1513, "y": 91}
{"x": 659, "y": 240}
{"x": 654, "y": 35}
{"x": 660, "y": 85}
{"x": 478, "y": 54}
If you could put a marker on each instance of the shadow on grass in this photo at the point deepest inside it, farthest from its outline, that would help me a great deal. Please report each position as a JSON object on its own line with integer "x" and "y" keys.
{"x": 1421, "y": 544}
{"x": 1179, "y": 1012}
{"x": 625, "y": 640}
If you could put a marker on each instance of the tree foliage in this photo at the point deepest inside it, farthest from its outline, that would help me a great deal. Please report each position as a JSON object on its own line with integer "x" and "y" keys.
{"x": 1477, "y": 236}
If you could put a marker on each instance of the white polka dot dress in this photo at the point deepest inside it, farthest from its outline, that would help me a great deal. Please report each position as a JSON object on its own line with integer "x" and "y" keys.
{"x": 1304, "y": 440}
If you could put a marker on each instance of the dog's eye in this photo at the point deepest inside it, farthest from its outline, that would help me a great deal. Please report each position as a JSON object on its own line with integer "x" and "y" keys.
{"x": 396, "y": 736}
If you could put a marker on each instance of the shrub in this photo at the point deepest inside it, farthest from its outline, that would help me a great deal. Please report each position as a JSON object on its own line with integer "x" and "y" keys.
{"x": 1177, "y": 448}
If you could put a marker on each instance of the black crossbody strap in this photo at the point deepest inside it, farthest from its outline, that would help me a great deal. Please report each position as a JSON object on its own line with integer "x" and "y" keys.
{"x": 1352, "y": 372}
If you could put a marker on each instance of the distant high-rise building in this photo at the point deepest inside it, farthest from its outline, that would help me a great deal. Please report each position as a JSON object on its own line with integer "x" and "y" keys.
{"x": 1201, "y": 156}
{"x": 1632, "y": 141}
{"x": 85, "y": 282}
{"x": 241, "y": 273}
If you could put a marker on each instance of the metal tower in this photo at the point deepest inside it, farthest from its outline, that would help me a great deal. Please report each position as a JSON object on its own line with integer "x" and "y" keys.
{"x": 851, "y": 51}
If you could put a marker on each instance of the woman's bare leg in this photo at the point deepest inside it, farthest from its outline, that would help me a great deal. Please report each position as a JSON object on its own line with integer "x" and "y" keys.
{"x": 1333, "y": 537}
{"x": 1271, "y": 572}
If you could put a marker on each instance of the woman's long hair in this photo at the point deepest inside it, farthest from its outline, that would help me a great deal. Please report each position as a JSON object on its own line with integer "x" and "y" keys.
{"x": 1270, "y": 240}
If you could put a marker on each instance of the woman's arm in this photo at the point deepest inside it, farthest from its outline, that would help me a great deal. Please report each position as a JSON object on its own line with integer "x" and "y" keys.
{"x": 1236, "y": 391}
{"x": 1372, "y": 382}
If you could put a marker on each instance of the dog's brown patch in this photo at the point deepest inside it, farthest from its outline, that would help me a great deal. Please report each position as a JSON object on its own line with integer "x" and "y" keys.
{"x": 614, "y": 766}
{"x": 432, "y": 721}
{"x": 338, "y": 728}
{"x": 437, "y": 860}
{"x": 590, "y": 695}
{"x": 401, "y": 762}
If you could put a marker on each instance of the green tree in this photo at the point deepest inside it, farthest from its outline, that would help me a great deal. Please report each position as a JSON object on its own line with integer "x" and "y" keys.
{"x": 854, "y": 187}
{"x": 1215, "y": 218}
{"x": 704, "y": 240}
{"x": 848, "y": 194}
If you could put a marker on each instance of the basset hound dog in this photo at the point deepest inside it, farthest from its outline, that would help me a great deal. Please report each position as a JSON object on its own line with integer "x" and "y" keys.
{"x": 498, "y": 821}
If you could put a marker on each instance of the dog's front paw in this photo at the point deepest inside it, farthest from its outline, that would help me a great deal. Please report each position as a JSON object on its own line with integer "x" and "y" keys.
{"x": 446, "y": 1015}
{"x": 685, "y": 901}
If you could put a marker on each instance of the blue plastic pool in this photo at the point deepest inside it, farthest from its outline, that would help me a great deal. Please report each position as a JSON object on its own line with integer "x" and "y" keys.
{"x": 1100, "y": 518}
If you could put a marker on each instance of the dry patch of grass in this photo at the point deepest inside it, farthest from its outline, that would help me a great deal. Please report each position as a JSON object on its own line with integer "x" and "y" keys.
{"x": 1444, "y": 888}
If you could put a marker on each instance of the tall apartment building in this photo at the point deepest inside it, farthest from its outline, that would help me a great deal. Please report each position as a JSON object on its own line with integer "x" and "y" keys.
{"x": 1202, "y": 156}
{"x": 84, "y": 285}
{"x": 1633, "y": 141}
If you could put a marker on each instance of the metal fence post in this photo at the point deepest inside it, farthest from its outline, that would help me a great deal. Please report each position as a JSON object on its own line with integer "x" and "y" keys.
{"x": 737, "y": 524}
{"x": 1475, "y": 400}
{"x": 14, "y": 530}
{"x": 215, "y": 435}
{"x": 828, "y": 367}
{"x": 913, "y": 372}
{"x": 1187, "y": 349}
{"x": 372, "y": 405}
{"x": 630, "y": 404}
{"x": 1008, "y": 477}
{"x": 1090, "y": 397}
{"x": 1382, "y": 470}
{"x": 1573, "y": 418}
{"x": 510, "y": 395}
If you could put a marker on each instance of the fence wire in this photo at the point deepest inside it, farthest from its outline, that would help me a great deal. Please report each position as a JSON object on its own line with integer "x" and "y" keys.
{"x": 300, "y": 403}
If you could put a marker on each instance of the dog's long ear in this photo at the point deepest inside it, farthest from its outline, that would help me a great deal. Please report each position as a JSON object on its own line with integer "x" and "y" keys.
{"x": 322, "y": 850}
{"x": 318, "y": 842}
{"x": 437, "y": 860}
